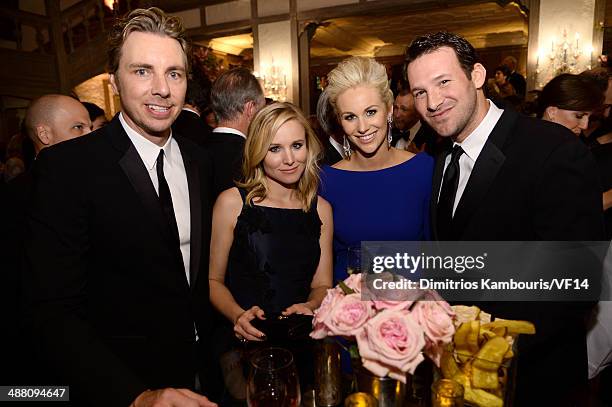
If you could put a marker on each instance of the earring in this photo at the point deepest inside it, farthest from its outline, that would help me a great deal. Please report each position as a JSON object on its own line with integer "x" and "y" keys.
{"x": 347, "y": 148}
{"x": 389, "y": 131}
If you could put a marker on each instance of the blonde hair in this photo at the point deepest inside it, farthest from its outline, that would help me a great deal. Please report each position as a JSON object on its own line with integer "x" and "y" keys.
{"x": 152, "y": 20}
{"x": 358, "y": 71}
{"x": 262, "y": 130}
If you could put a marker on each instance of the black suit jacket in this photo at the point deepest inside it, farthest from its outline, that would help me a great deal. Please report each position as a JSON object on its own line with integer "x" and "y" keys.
{"x": 534, "y": 180}
{"x": 226, "y": 150}
{"x": 191, "y": 126}
{"x": 107, "y": 294}
{"x": 330, "y": 155}
{"x": 14, "y": 352}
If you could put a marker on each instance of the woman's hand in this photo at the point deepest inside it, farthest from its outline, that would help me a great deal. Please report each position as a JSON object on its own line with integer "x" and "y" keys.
{"x": 301, "y": 308}
{"x": 243, "y": 327}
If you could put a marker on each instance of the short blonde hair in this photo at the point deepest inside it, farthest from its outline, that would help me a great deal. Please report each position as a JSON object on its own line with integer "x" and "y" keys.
{"x": 152, "y": 20}
{"x": 358, "y": 71}
{"x": 262, "y": 130}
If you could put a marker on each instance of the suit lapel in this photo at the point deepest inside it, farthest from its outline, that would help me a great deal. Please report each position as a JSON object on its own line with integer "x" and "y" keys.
{"x": 195, "y": 206}
{"x": 485, "y": 170}
{"x": 134, "y": 168}
{"x": 136, "y": 172}
{"x": 435, "y": 191}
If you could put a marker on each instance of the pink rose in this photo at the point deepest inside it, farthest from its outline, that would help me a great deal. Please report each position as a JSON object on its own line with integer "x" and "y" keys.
{"x": 348, "y": 315}
{"x": 437, "y": 323}
{"x": 320, "y": 330}
{"x": 391, "y": 343}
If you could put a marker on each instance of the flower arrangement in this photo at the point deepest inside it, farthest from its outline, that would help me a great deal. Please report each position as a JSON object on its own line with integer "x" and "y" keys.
{"x": 391, "y": 336}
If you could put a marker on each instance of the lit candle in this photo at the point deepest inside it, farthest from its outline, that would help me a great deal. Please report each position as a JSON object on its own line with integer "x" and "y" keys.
{"x": 577, "y": 40}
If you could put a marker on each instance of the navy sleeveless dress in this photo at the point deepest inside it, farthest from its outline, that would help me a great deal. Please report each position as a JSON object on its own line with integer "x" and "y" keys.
{"x": 273, "y": 257}
{"x": 391, "y": 204}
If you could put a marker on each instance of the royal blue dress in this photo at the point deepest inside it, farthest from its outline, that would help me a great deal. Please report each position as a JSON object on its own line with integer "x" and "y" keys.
{"x": 382, "y": 205}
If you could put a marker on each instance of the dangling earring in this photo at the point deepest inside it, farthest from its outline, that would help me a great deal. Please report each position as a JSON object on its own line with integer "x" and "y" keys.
{"x": 347, "y": 148}
{"x": 389, "y": 131}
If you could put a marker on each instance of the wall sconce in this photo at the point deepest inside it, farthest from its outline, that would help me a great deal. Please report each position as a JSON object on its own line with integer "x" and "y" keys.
{"x": 275, "y": 83}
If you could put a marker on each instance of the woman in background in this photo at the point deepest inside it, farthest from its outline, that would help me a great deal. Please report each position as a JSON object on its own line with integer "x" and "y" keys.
{"x": 377, "y": 192}
{"x": 569, "y": 100}
{"x": 502, "y": 87}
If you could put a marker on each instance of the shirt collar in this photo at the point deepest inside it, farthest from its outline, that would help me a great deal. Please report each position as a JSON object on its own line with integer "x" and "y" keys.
{"x": 191, "y": 110}
{"x": 337, "y": 146}
{"x": 229, "y": 130}
{"x": 147, "y": 150}
{"x": 415, "y": 129}
{"x": 473, "y": 144}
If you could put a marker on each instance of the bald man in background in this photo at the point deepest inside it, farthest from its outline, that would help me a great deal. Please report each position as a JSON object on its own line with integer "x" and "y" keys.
{"x": 49, "y": 120}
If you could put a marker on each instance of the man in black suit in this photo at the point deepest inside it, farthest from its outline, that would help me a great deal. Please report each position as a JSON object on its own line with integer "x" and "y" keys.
{"x": 50, "y": 119}
{"x": 117, "y": 250}
{"x": 517, "y": 80}
{"x": 406, "y": 121}
{"x": 509, "y": 177}
{"x": 190, "y": 122}
{"x": 236, "y": 97}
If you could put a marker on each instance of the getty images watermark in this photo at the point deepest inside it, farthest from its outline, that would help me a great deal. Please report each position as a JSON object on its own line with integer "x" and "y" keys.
{"x": 487, "y": 271}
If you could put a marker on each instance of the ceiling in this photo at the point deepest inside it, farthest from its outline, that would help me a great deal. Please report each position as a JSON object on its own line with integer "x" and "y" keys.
{"x": 484, "y": 25}
{"x": 233, "y": 44}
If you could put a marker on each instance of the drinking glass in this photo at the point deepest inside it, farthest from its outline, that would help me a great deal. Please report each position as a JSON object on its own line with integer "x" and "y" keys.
{"x": 273, "y": 379}
{"x": 446, "y": 393}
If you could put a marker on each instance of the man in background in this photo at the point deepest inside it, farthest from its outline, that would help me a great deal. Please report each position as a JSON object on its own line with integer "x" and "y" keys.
{"x": 190, "y": 123}
{"x": 236, "y": 97}
{"x": 517, "y": 80}
{"x": 406, "y": 123}
{"x": 49, "y": 120}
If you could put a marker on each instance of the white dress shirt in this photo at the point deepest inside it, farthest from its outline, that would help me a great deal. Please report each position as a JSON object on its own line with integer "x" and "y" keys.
{"x": 229, "y": 130}
{"x": 404, "y": 144}
{"x": 176, "y": 176}
{"x": 472, "y": 145}
{"x": 599, "y": 336}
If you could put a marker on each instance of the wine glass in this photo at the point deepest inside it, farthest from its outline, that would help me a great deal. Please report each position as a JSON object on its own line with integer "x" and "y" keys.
{"x": 273, "y": 379}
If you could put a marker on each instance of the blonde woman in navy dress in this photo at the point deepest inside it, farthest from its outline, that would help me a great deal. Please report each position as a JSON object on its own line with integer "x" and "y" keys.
{"x": 271, "y": 244}
{"x": 377, "y": 192}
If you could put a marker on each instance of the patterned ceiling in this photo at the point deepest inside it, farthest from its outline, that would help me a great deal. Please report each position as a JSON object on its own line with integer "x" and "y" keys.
{"x": 484, "y": 25}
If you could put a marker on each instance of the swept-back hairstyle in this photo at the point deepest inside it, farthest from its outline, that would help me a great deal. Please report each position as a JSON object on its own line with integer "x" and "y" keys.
{"x": 570, "y": 92}
{"x": 151, "y": 20}
{"x": 262, "y": 130}
{"x": 231, "y": 90}
{"x": 426, "y": 44}
{"x": 352, "y": 72}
